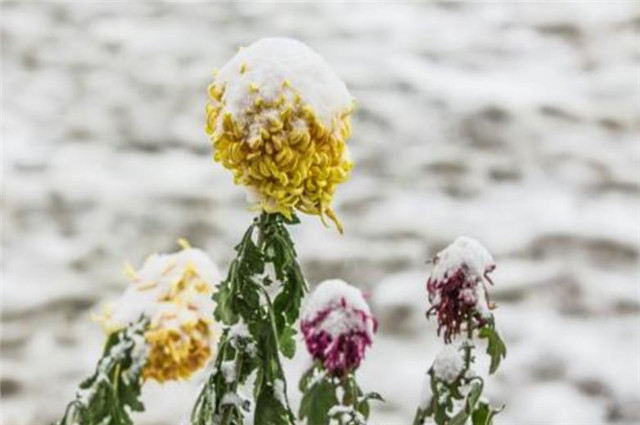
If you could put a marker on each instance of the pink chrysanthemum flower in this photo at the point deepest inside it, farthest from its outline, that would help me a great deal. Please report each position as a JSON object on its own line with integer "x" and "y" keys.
{"x": 338, "y": 326}
{"x": 456, "y": 287}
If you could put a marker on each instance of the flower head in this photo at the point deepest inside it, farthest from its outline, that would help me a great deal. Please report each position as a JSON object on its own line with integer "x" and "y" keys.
{"x": 173, "y": 291}
{"x": 337, "y": 326}
{"x": 278, "y": 118}
{"x": 456, "y": 287}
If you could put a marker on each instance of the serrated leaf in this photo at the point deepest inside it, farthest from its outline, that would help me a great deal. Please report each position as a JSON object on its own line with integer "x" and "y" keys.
{"x": 484, "y": 414}
{"x": 109, "y": 398}
{"x": 496, "y": 348}
{"x": 473, "y": 396}
{"x": 316, "y": 403}
{"x": 269, "y": 410}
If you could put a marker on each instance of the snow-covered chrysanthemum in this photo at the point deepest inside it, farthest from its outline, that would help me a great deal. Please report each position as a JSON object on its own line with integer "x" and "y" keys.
{"x": 173, "y": 292}
{"x": 456, "y": 287}
{"x": 278, "y": 118}
{"x": 337, "y": 326}
{"x": 448, "y": 364}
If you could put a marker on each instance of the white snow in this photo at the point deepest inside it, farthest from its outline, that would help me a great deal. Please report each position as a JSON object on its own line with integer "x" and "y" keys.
{"x": 347, "y": 414}
{"x": 426, "y": 394}
{"x": 463, "y": 251}
{"x": 268, "y": 63}
{"x": 228, "y": 369}
{"x": 239, "y": 330}
{"x": 231, "y": 398}
{"x": 476, "y": 260}
{"x": 156, "y": 278}
{"x": 329, "y": 295}
{"x": 317, "y": 378}
{"x": 138, "y": 355}
{"x": 241, "y": 338}
{"x": 448, "y": 364}
{"x": 279, "y": 391}
{"x": 340, "y": 322}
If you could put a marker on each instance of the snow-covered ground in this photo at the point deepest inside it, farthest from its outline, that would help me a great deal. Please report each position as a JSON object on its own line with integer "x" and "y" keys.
{"x": 516, "y": 123}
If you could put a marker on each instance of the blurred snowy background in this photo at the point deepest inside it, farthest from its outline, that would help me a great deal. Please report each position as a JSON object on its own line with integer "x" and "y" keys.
{"x": 516, "y": 123}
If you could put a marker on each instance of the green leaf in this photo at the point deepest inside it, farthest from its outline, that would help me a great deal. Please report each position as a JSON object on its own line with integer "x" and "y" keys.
{"x": 484, "y": 414}
{"x": 293, "y": 220}
{"x": 440, "y": 414}
{"x": 223, "y": 311}
{"x": 306, "y": 378}
{"x": 473, "y": 396}
{"x": 316, "y": 403}
{"x": 372, "y": 396}
{"x": 496, "y": 347}
{"x": 481, "y": 415}
{"x": 287, "y": 342}
{"x": 270, "y": 410}
{"x": 460, "y": 418}
{"x": 363, "y": 401}
{"x": 420, "y": 417}
{"x": 107, "y": 397}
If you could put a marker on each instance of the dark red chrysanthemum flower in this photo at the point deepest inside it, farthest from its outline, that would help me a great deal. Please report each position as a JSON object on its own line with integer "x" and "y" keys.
{"x": 337, "y": 326}
{"x": 456, "y": 287}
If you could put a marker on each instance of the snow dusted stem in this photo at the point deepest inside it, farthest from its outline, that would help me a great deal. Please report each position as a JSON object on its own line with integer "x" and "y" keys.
{"x": 113, "y": 391}
{"x": 258, "y": 303}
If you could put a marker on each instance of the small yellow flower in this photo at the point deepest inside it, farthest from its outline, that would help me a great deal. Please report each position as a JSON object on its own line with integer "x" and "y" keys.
{"x": 279, "y": 118}
{"x": 173, "y": 291}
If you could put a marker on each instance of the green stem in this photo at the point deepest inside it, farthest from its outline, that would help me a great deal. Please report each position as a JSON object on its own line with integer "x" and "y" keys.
{"x": 116, "y": 377}
{"x": 468, "y": 348}
{"x": 261, "y": 221}
{"x": 226, "y": 419}
{"x": 354, "y": 391}
{"x": 350, "y": 396}
{"x": 274, "y": 334}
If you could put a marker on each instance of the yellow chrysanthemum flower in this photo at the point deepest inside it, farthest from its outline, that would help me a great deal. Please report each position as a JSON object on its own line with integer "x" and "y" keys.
{"x": 173, "y": 291}
{"x": 278, "y": 118}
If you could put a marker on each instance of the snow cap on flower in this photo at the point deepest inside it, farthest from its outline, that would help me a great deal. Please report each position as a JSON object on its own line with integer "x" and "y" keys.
{"x": 173, "y": 292}
{"x": 278, "y": 118}
{"x": 456, "y": 287}
{"x": 337, "y": 326}
{"x": 448, "y": 364}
